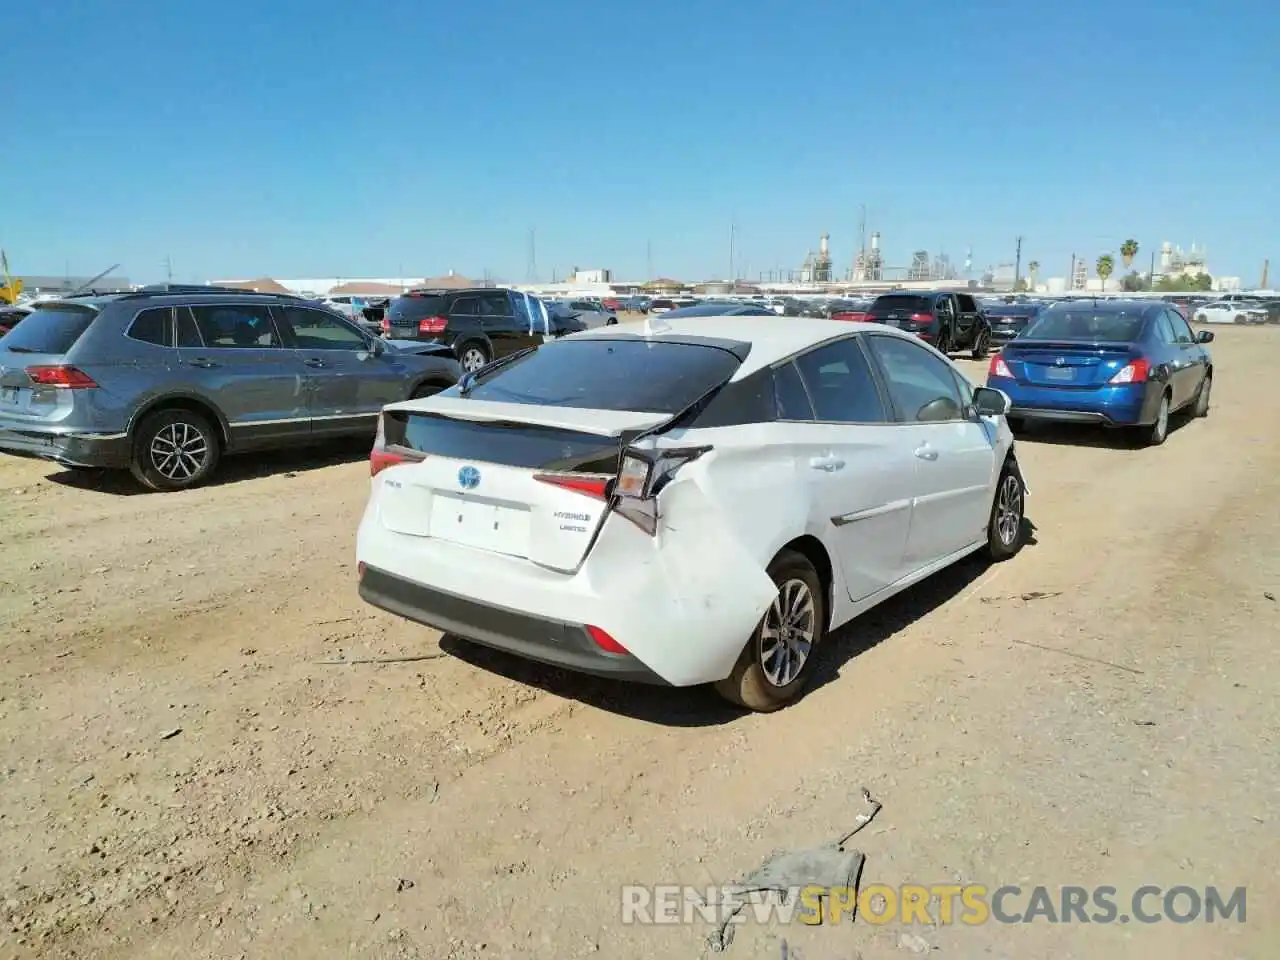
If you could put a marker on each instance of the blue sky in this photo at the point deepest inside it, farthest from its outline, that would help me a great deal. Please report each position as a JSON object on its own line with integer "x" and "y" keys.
{"x": 340, "y": 139}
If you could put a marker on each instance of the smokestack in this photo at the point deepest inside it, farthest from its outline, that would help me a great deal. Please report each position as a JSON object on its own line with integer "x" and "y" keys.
{"x": 1266, "y": 270}
{"x": 875, "y": 240}
{"x": 824, "y": 245}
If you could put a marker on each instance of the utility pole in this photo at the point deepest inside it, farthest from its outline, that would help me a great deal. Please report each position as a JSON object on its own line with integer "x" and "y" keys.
{"x": 733, "y": 231}
{"x": 1151, "y": 274}
{"x": 862, "y": 236}
{"x": 1017, "y": 266}
{"x": 1071, "y": 277}
{"x": 168, "y": 270}
{"x": 1266, "y": 269}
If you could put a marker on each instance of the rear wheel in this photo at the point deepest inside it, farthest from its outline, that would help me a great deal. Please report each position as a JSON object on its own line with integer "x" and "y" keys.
{"x": 472, "y": 357}
{"x": 944, "y": 341}
{"x": 1004, "y": 528}
{"x": 174, "y": 450}
{"x": 778, "y": 661}
{"x": 1158, "y": 432}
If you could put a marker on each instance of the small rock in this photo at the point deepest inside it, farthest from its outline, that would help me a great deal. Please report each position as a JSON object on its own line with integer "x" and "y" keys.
{"x": 909, "y": 941}
{"x": 1269, "y": 595}
{"x": 403, "y": 885}
{"x": 170, "y": 734}
{"x": 247, "y": 651}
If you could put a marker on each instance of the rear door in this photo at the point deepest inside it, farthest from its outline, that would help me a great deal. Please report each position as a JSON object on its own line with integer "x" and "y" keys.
{"x": 954, "y": 452}
{"x": 856, "y": 461}
{"x": 499, "y": 322}
{"x": 966, "y": 317}
{"x": 244, "y": 368}
{"x": 347, "y": 384}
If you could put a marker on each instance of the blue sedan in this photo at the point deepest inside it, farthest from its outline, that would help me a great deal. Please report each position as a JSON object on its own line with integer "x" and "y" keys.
{"x": 1114, "y": 363}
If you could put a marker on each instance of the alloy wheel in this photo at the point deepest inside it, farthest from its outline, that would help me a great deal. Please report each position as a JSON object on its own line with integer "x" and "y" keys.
{"x": 473, "y": 359}
{"x": 1162, "y": 418}
{"x": 1009, "y": 510}
{"x": 178, "y": 451}
{"x": 787, "y": 633}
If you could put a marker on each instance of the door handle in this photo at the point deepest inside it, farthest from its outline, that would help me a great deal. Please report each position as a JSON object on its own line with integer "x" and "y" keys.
{"x": 926, "y": 452}
{"x": 315, "y": 362}
{"x": 202, "y": 363}
{"x": 830, "y": 464}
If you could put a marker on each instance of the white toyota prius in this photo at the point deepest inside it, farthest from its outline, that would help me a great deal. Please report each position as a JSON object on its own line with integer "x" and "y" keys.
{"x": 699, "y": 502}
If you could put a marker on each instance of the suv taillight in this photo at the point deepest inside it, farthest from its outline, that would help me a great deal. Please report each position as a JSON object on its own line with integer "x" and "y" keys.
{"x": 386, "y": 325}
{"x": 69, "y": 378}
{"x": 433, "y": 325}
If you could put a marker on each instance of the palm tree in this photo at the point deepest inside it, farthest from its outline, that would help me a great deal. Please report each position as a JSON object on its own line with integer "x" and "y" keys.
{"x": 1033, "y": 268}
{"x": 1128, "y": 250}
{"x": 1104, "y": 266}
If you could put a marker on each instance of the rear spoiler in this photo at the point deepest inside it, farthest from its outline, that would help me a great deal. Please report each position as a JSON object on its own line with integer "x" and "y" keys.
{"x": 600, "y": 423}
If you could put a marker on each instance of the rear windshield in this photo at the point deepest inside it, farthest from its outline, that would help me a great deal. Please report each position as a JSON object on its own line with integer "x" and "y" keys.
{"x": 1011, "y": 310}
{"x": 902, "y": 303}
{"x": 52, "y": 329}
{"x": 411, "y": 309}
{"x": 613, "y": 374}
{"x": 1085, "y": 324}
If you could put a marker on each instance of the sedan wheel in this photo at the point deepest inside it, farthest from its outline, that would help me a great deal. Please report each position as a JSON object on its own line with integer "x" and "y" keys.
{"x": 1158, "y": 432}
{"x": 1202, "y": 397}
{"x": 1004, "y": 529}
{"x": 778, "y": 661}
{"x": 473, "y": 358}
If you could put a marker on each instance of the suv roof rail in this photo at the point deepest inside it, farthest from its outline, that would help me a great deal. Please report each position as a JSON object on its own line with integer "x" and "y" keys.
{"x": 198, "y": 289}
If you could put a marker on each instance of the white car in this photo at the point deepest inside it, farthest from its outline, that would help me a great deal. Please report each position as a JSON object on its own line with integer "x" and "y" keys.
{"x": 1229, "y": 311}
{"x": 699, "y": 501}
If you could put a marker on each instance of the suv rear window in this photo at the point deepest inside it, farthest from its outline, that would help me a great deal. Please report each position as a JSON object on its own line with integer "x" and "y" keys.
{"x": 902, "y": 303}
{"x": 613, "y": 374}
{"x": 406, "y": 311}
{"x": 52, "y": 329}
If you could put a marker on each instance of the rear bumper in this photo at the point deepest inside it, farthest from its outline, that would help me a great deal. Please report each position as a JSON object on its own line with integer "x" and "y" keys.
{"x": 553, "y": 642}
{"x": 1122, "y": 405}
{"x": 108, "y": 451}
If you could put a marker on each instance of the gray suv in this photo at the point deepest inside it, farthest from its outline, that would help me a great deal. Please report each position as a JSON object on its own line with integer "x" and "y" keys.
{"x": 165, "y": 380}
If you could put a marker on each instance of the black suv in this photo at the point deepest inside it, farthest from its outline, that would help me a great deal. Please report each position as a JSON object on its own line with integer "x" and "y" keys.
{"x": 950, "y": 321}
{"x": 480, "y": 325}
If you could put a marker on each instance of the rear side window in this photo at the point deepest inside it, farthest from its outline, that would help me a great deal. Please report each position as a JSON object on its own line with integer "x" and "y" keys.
{"x": 408, "y": 310}
{"x": 188, "y": 334}
{"x": 247, "y": 327}
{"x": 614, "y": 374}
{"x": 792, "y": 398}
{"x": 841, "y": 384}
{"x": 53, "y": 329}
{"x": 902, "y": 303}
{"x": 152, "y": 326}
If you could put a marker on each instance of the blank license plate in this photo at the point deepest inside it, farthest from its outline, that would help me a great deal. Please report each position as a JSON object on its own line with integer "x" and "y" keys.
{"x": 481, "y": 524}
{"x": 1060, "y": 373}
{"x": 8, "y": 394}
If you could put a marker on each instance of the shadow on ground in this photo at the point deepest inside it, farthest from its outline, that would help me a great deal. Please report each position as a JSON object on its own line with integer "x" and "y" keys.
{"x": 235, "y": 469}
{"x": 1087, "y": 435}
{"x": 700, "y": 707}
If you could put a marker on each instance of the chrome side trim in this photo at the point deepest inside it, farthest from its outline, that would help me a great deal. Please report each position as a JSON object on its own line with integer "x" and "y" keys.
{"x": 329, "y": 416}
{"x": 951, "y": 494}
{"x": 891, "y": 507}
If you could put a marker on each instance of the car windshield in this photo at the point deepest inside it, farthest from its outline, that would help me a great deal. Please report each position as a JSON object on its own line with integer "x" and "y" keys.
{"x": 1088, "y": 324}
{"x": 610, "y": 374}
{"x": 53, "y": 329}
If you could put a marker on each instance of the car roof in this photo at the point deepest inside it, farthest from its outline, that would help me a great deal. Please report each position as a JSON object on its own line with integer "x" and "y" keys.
{"x": 771, "y": 338}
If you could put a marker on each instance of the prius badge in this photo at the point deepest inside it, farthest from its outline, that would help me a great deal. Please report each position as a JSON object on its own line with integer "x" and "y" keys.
{"x": 1061, "y": 361}
{"x": 468, "y": 478}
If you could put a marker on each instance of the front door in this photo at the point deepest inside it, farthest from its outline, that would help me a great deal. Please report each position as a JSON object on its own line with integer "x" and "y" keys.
{"x": 242, "y": 367}
{"x": 954, "y": 451}
{"x": 1191, "y": 361}
{"x": 852, "y": 458}
{"x": 348, "y": 383}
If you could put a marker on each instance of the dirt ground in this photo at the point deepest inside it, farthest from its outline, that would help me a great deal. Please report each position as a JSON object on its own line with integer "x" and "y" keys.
{"x": 182, "y": 773}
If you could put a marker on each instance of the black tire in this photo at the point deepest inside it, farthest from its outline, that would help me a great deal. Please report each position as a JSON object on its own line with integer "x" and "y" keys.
{"x": 944, "y": 342}
{"x": 1201, "y": 406}
{"x": 748, "y": 685}
{"x": 1008, "y": 509}
{"x": 468, "y": 351}
{"x": 981, "y": 344}
{"x": 1158, "y": 432}
{"x": 423, "y": 390}
{"x": 163, "y": 432}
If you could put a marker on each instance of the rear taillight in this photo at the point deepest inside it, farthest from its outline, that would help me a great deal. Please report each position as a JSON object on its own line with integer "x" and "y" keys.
{"x": 433, "y": 325}
{"x": 380, "y": 457}
{"x": 641, "y": 478}
{"x": 606, "y": 642}
{"x": 849, "y": 316}
{"x": 595, "y": 487}
{"x": 922, "y": 319}
{"x": 386, "y": 325}
{"x": 999, "y": 368}
{"x": 68, "y": 378}
{"x": 1136, "y": 371}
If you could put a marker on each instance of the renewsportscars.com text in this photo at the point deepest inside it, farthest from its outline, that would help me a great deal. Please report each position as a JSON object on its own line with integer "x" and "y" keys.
{"x": 941, "y": 903}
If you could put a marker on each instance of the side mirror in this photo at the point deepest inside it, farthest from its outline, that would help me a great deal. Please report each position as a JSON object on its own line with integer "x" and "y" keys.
{"x": 1204, "y": 336}
{"x": 989, "y": 402}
